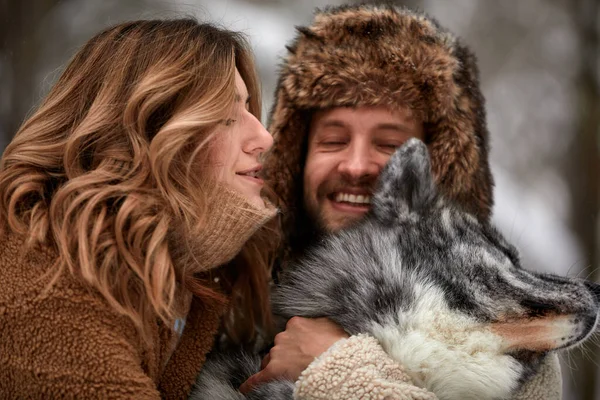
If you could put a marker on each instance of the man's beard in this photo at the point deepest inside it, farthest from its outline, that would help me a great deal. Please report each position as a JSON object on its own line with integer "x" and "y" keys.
{"x": 315, "y": 210}
{"x": 309, "y": 225}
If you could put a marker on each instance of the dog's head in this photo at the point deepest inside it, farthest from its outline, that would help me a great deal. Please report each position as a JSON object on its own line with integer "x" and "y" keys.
{"x": 479, "y": 271}
{"x": 445, "y": 294}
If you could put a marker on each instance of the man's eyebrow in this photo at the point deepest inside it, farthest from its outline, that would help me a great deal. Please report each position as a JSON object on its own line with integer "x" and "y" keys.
{"x": 335, "y": 123}
{"x": 332, "y": 123}
{"x": 394, "y": 126}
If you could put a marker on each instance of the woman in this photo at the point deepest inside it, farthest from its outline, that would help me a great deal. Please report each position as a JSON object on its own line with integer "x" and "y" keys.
{"x": 121, "y": 197}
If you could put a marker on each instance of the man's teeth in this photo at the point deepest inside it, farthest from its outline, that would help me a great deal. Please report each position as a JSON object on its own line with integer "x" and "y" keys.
{"x": 352, "y": 198}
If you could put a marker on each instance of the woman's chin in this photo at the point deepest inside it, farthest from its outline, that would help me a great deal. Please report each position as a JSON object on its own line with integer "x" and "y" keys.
{"x": 258, "y": 202}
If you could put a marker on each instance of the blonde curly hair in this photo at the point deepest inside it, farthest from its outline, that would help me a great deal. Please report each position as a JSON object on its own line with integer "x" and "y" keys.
{"x": 103, "y": 169}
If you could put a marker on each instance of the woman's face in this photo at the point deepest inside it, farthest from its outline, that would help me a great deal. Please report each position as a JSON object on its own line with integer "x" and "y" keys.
{"x": 238, "y": 143}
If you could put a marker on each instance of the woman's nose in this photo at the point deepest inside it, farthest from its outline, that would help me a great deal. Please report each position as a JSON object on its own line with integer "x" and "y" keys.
{"x": 259, "y": 139}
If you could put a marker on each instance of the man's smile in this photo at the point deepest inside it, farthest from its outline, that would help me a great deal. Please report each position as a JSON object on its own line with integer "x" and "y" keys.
{"x": 350, "y": 203}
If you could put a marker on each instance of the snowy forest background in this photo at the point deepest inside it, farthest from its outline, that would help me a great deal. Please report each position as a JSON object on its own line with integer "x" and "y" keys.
{"x": 539, "y": 63}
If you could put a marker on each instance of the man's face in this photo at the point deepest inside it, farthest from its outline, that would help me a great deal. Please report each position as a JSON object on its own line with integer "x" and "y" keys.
{"x": 347, "y": 149}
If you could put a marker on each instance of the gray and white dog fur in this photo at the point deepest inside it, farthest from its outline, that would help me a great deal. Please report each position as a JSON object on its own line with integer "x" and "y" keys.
{"x": 444, "y": 294}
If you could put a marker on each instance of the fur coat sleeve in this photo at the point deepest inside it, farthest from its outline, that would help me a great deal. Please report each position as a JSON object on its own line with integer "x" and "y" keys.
{"x": 358, "y": 367}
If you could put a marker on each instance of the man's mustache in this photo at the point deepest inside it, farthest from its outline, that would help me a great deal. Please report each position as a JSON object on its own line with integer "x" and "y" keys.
{"x": 339, "y": 185}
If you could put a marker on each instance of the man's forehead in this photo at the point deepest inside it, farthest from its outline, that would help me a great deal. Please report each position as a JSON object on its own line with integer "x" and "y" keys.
{"x": 368, "y": 116}
{"x": 364, "y": 113}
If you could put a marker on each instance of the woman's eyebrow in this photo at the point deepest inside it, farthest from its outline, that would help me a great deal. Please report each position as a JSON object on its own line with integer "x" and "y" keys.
{"x": 238, "y": 98}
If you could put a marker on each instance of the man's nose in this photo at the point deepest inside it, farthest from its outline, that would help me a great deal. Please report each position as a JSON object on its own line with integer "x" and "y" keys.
{"x": 359, "y": 163}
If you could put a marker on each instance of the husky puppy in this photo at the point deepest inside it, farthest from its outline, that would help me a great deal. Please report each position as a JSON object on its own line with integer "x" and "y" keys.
{"x": 444, "y": 295}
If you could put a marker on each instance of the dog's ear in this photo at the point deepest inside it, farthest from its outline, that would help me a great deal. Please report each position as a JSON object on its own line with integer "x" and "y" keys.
{"x": 406, "y": 184}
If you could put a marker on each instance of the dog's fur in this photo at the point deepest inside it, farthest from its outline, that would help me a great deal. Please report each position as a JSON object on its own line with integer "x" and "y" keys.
{"x": 444, "y": 294}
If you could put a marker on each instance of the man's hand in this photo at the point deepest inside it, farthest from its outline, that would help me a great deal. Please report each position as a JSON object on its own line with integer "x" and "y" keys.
{"x": 303, "y": 340}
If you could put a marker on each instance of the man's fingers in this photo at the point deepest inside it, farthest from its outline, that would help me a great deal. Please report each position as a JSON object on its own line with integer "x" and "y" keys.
{"x": 265, "y": 361}
{"x": 257, "y": 379}
{"x": 250, "y": 383}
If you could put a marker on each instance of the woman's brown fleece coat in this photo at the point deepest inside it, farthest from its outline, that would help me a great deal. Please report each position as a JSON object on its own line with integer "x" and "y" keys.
{"x": 67, "y": 342}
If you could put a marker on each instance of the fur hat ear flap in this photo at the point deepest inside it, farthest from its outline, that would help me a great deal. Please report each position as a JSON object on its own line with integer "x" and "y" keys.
{"x": 406, "y": 185}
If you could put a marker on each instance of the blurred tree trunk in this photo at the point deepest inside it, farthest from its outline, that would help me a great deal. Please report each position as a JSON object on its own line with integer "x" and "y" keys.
{"x": 19, "y": 46}
{"x": 584, "y": 177}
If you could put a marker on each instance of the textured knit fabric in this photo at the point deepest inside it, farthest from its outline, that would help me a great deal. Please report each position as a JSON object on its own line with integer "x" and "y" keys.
{"x": 546, "y": 385}
{"x": 359, "y": 368}
{"x": 67, "y": 342}
{"x": 230, "y": 223}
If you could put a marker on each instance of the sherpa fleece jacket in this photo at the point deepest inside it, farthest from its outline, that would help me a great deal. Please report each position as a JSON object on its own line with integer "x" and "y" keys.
{"x": 67, "y": 342}
{"x": 359, "y": 368}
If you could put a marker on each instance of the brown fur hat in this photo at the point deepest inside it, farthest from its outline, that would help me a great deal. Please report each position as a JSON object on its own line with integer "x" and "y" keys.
{"x": 370, "y": 55}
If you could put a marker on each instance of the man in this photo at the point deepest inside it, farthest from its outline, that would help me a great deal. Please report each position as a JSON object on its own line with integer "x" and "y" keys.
{"x": 355, "y": 85}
